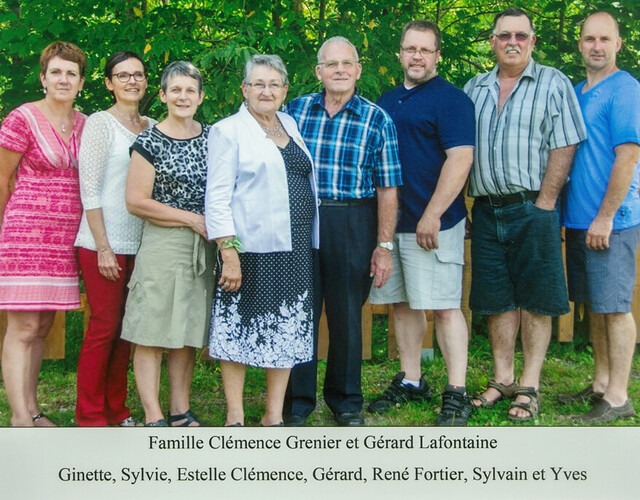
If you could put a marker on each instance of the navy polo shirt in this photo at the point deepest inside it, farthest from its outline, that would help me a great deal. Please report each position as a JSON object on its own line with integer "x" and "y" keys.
{"x": 430, "y": 118}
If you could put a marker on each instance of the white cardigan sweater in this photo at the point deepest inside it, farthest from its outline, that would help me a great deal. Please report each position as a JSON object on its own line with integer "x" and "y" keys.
{"x": 247, "y": 193}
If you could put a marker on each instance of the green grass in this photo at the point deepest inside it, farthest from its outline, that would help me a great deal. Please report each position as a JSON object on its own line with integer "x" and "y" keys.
{"x": 568, "y": 368}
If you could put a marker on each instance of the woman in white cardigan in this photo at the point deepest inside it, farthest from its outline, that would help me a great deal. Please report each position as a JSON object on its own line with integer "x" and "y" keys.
{"x": 108, "y": 239}
{"x": 261, "y": 209}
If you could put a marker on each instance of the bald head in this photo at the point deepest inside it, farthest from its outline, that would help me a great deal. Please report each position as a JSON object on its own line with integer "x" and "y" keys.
{"x": 601, "y": 16}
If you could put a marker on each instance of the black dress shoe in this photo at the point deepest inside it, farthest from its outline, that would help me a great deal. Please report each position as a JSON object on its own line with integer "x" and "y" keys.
{"x": 294, "y": 421}
{"x": 349, "y": 419}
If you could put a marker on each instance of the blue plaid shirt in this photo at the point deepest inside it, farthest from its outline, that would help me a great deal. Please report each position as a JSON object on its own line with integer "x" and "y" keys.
{"x": 354, "y": 151}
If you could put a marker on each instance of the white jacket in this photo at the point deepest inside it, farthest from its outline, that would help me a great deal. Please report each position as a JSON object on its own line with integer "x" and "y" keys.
{"x": 247, "y": 193}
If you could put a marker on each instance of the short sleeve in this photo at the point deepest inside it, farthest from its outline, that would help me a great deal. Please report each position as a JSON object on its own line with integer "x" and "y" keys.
{"x": 625, "y": 113}
{"x": 568, "y": 125}
{"x": 97, "y": 139}
{"x": 15, "y": 134}
{"x": 457, "y": 123}
{"x": 387, "y": 172}
{"x": 143, "y": 145}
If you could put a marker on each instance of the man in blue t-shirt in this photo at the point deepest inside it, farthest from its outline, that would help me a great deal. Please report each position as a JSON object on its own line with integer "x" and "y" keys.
{"x": 601, "y": 211}
{"x": 436, "y": 126}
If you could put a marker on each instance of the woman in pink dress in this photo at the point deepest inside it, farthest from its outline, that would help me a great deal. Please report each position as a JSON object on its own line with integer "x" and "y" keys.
{"x": 39, "y": 141}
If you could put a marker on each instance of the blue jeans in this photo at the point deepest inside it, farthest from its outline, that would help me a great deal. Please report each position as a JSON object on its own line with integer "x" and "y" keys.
{"x": 516, "y": 255}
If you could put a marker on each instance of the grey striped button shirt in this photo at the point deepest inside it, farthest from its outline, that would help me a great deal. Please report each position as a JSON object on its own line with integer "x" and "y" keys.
{"x": 512, "y": 146}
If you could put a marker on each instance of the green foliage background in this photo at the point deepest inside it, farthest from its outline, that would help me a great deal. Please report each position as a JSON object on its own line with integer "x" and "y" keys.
{"x": 218, "y": 36}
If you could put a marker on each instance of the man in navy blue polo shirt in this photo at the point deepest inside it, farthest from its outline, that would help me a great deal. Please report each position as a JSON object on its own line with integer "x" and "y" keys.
{"x": 435, "y": 124}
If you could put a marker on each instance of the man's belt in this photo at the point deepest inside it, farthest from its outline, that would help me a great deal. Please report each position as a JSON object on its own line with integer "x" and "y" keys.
{"x": 352, "y": 202}
{"x": 508, "y": 199}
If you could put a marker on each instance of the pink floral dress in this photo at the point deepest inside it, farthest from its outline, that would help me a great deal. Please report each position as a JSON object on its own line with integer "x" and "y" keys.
{"x": 38, "y": 263}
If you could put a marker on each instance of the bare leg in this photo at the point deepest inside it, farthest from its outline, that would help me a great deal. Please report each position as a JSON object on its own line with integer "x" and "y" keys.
{"x": 37, "y": 352}
{"x": 233, "y": 381}
{"x": 536, "y": 334}
{"x": 451, "y": 331}
{"x": 21, "y": 360}
{"x": 180, "y": 364}
{"x": 621, "y": 338}
{"x": 503, "y": 329}
{"x": 147, "y": 362}
{"x": 598, "y": 331}
{"x": 411, "y": 326}
{"x": 277, "y": 379}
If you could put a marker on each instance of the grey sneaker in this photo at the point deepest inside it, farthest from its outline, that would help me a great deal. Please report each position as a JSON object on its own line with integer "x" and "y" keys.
{"x": 128, "y": 422}
{"x": 455, "y": 410}
{"x": 585, "y": 395}
{"x": 603, "y": 413}
{"x": 398, "y": 394}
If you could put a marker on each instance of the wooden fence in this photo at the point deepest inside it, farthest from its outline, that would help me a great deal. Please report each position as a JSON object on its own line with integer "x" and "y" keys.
{"x": 54, "y": 345}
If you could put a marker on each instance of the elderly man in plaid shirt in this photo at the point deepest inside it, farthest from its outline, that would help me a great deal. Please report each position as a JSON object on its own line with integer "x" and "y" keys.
{"x": 354, "y": 147}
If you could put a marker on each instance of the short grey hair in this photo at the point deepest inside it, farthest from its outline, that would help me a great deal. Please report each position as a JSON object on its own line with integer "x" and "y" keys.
{"x": 337, "y": 39}
{"x": 271, "y": 61}
{"x": 180, "y": 68}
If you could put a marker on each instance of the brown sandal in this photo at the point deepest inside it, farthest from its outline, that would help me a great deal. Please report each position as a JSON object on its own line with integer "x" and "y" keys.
{"x": 532, "y": 406}
{"x": 506, "y": 392}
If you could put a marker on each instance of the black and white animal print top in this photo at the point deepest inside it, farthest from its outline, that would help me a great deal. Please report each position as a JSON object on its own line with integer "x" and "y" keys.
{"x": 181, "y": 167}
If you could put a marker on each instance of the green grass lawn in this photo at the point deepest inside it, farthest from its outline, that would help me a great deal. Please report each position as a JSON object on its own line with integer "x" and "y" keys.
{"x": 568, "y": 368}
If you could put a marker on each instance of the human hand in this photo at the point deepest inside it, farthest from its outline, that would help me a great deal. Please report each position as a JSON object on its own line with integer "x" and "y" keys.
{"x": 381, "y": 266}
{"x": 231, "y": 275}
{"x": 599, "y": 232}
{"x": 198, "y": 225}
{"x": 427, "y": 232}
{"x": 108, "y": 264}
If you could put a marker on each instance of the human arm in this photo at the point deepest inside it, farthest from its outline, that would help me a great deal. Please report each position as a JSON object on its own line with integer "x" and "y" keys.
{"x": 381, "y": 261}
{"x": 140, "y": 203}
{"x": 558, "y": 167}
{"x": 453, "y": 176}
{"x": 222, "y": 167}
{"x": 9, "y": 161}
{"x": 96, "y": 146}
{"x": 619, "y": 181}
{"x": 231, "y": 273}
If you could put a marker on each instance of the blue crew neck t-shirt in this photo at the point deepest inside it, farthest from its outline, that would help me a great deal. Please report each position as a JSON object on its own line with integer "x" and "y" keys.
{"x": 611, "y": 112}
{"x": 429, "y": 118}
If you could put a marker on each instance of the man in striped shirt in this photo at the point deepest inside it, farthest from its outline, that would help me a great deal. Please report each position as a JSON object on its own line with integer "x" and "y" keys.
{"x": 355, "y": 153}
{"x": 528, "y": 123}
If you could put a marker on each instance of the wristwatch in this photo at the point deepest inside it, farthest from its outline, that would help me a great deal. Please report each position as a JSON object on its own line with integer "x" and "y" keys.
{"x": 386, "y": 244}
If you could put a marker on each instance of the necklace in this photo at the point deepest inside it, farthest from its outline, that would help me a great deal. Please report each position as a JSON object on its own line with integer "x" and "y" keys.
{"x": 137, "y": 119}
{"x": 278, "y": 131}
{"x": 63, "y": 127}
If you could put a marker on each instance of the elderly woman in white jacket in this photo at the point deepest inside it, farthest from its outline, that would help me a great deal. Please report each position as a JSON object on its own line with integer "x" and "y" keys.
{"x": 261, "y": 209}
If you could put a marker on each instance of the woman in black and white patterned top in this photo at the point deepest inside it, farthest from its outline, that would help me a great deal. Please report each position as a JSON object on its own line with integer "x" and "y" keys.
{"x": 170, "y": 291}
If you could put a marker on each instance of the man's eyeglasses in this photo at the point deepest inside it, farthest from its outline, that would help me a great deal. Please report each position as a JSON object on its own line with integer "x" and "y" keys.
{"x": 125, "y": 76}
{"x": 333, "y": 65}
{"x": 505, "y": 37}
{"x": 423, "y": 52}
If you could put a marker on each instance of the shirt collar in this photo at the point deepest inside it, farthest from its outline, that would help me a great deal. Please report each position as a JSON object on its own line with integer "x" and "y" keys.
{"x": 354, "y": 104}
{"x": 492, "y": 78}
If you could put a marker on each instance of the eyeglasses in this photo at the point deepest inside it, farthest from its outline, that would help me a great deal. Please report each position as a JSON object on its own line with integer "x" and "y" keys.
{"x": 413, "y": 50}
{"x": 260, "y": 86}
{"x": 333, "y": 65}
{"x": 505, "y": 37}
{"x": 125, "y": 76}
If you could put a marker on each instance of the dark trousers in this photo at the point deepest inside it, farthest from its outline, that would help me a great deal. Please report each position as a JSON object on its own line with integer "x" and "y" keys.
{"x": 347, "y": 239}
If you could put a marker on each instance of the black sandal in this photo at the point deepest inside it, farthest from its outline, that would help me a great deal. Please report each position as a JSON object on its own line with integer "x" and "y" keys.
{"x": 158, "y": 423}
{"x": 37, "y": 417}
{"x": 188, "y": 418}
